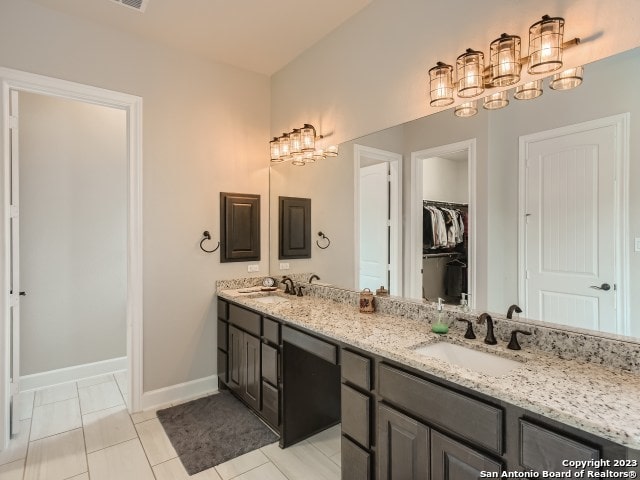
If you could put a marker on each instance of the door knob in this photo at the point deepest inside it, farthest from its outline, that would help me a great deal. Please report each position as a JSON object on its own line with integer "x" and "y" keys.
{"x": 605, "y": 286}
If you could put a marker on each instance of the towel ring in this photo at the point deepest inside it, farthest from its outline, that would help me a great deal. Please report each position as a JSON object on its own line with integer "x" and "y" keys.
{"x": 323, "y": 237}
{"x": 207, "y": 236}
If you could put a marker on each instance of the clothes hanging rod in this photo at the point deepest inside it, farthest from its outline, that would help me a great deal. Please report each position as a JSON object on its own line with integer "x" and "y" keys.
{"x": 450, "y": 204}
{"x": 438, "y": 255}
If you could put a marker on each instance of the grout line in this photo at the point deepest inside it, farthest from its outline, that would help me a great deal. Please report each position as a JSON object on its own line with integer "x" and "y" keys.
{"x": 84, "y": 439}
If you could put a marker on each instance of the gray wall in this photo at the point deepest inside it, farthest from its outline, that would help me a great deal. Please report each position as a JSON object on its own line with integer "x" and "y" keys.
{"x": 73, "y": 232}
{"x": 205, "y": 130}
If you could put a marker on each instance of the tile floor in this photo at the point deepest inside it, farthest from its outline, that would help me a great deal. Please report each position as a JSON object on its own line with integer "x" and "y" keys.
{"x": 82, "y": 431}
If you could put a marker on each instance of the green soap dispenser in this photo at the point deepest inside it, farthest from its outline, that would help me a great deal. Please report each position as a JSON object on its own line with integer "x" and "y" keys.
{"x": 439, "y": 327}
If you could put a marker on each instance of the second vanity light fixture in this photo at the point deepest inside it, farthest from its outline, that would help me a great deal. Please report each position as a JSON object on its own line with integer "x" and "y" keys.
{"x": 505, "y": 63}
{"x": 300, "y": 146}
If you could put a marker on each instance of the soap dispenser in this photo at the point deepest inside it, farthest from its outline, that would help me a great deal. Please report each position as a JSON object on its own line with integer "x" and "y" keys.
{"x": 439, "y": 327}
{"x": 464, "y": 303}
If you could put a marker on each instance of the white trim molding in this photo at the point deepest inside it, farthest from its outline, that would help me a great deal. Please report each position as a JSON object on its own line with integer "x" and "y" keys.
{"x": 72, "y": 374}
{"x": 28, "y": 82}
{"x": 414, "y": 287}
{"x": 180, "y": 392}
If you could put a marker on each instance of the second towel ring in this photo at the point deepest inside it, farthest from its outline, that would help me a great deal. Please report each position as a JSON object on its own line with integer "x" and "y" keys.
{"x": 323, "y": 237}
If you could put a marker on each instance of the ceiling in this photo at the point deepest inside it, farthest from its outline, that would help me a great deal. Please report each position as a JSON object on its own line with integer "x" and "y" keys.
{"x": 257, "y": 35}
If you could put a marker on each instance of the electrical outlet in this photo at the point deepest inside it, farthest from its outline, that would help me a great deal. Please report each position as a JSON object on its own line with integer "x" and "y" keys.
{"x": 637, "y": 244}
{"x": 253, "y": 268}
{"x": 284, "y": 266}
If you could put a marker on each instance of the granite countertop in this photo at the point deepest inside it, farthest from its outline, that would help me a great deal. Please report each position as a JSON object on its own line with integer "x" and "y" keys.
{"x": 595, "y": 399}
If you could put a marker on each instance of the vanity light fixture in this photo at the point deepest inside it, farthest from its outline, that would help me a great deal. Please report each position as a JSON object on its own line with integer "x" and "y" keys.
{"x": 467, "y": 109}
{"x": 496, "y": 101}
{"x": 505, "y": 60}
{"x": 567, "y": 79}
{"x": 300, "y": 146}
{"x": 528, "y": 90}
{"x": 545, "y": 45}
{"x": 441, "y": 85}
{"x": 469, "y": 70}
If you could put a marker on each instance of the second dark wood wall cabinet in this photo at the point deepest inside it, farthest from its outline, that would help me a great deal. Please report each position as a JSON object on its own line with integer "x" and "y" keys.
{"x": 295, "y": 227}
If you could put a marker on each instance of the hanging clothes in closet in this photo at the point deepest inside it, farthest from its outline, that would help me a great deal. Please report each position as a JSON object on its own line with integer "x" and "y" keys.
{"x": 442, "y": 226}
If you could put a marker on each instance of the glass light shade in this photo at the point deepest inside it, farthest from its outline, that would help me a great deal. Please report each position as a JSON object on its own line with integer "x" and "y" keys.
{"x": 307, "y": 157}
{"x": 298, "y": 160}
{"x": 468, "y": 109}
{"x": 528, "y": 90}
{"x": 331, "y": 151}
{"x": 308, "y": 138}
{"x": 496, "y": 101}
{"x": 567, "y": 79}
{"x": 285, "y": 152}
{"x": 470, "y": 69}
{"x": 505, "y": 60}
{"x": 275, "y": 150}
{"x": 545, "y": 45}
{"x": 441, "y": 85}
{"x": 295, "y": 141}
{"x": 318, "y": 154}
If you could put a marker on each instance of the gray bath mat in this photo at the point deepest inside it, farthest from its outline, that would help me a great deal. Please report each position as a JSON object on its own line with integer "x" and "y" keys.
{"x": 211, "y": 430}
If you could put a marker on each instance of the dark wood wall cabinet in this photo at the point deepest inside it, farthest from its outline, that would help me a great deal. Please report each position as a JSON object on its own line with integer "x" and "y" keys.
{"x": 239, "y": 227}
{"x": 295, "y": 227}
{"x": 397, "y": 423}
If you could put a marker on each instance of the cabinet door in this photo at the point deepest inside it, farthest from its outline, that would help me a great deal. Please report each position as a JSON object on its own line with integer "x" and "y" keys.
{"x": 235, "y": 358}
{"x": 451, "y": 460}
{"x": 251, "y": 377}
{"x": 403, "y": 447}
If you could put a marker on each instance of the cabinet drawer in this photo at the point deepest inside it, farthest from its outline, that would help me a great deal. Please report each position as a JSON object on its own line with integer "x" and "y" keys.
{"x": 245, "y": 319}
{"x": 544, "y": 450}
{"x": 223, "y": 310}
{"x": 356, "y": 463}
{"x": 356, "y": 415}
{"x": 270, "y": 404}
{"x": 271, "y": 330}
{"x": 223, "y": 340}
{"x": 270, "y": 364}
{"x": 317, "y": 347}
{"x": 356, "y": 369}
{"x": 472, "y": 419}
{"x": 223, "y": 360}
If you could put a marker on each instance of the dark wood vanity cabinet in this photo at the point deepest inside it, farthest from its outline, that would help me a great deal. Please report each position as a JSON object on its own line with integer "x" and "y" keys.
{"x": 245, "y": 366}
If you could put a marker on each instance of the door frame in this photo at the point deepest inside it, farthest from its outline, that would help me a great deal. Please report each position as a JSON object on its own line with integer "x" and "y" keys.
{"x": 415, "y": 215}
{"x": 395, "y": 210}
{"x": 28, "y": 82}
{"x": 621, "y": 124}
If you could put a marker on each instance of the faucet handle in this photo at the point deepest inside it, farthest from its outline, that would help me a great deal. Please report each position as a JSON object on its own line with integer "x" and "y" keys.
{"x": 513, "y": 343}
{"x": 469, "y": 333}
{"x": 300, "y": 287}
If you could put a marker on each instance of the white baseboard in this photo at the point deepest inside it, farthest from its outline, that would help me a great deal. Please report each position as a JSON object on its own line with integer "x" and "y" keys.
{"x": 180, "y": 392}
{"x": 72, "y": 374}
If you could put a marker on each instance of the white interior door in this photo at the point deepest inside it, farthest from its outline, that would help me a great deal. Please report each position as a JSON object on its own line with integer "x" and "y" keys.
{"x": 570, "y": 228}
{"x": 374, "y": 226}
{"x": 14, "y": 271}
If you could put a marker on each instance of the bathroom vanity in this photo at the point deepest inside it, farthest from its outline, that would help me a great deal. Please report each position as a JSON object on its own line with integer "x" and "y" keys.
{"x": 304, "y": 364}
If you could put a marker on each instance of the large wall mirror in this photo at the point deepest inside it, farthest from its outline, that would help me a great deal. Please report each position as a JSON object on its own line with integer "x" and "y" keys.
{"x": 585, "y": 207}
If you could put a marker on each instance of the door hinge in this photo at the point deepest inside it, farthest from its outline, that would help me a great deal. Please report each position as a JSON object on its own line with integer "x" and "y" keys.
{"x": 14, "y": 211}
{"x": 14, "y": 388}
{"x": 13, "y": 122}
{"x": 13, "y": 299}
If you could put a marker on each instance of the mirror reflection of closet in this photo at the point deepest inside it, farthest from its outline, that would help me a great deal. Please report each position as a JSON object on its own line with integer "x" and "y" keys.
{"x": 445, "y": 243}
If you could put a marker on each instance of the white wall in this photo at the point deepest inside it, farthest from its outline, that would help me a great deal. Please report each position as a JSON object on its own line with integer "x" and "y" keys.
{"x": 205, "y": 130}
{"x": 73, "y": 233}
{"x": 445, "y": 180}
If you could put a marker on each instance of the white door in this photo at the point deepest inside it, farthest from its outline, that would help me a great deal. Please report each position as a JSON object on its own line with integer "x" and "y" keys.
{"x": 374, "y": 226}
{"x": 14, "y": 272}
{"x": 570, "y": 228}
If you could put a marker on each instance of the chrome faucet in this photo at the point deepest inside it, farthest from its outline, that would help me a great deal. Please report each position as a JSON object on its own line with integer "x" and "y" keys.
{"x": 290, "y": 290}
{"x": 490, "y": 339}
{"x": 513, "y": 308}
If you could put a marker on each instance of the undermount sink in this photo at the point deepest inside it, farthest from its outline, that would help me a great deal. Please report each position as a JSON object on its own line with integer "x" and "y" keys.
{"x": 270, "y": 299}
{"x": 480, "y": 362}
